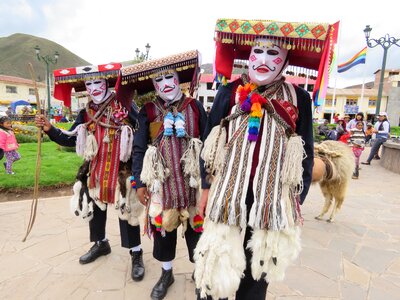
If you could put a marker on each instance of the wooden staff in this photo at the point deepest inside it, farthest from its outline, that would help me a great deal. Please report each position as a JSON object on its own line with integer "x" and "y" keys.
{"x": 38, "y": 159}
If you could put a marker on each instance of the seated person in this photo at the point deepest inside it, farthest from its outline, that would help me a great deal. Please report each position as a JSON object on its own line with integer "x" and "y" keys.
{"x": 323, "y": 129}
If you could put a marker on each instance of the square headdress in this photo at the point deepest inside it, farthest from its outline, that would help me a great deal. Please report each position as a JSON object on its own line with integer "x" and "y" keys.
{"x": 68, "y": 78}
{"x": 138, "y": 77}
{"x": 311, "y": 45}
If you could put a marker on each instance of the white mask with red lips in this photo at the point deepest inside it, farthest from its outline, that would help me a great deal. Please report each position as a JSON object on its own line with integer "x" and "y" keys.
{"x": 167, "y": 86}
{"x": 266, "y": 62}
{"x": 97, "y": 90}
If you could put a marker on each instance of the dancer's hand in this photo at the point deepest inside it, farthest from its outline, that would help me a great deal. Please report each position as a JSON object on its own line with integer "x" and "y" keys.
{"x": 41, "y": 121}
{"x": 203, "y": 202}
{"x": 143, "y": 195}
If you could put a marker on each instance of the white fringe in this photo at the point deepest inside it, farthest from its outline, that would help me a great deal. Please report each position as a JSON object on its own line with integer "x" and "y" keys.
{"x": 220, "y": 260}
{"x": 126, "y": 143}
{"x": 191, "y": 162}
{"x": 81, "y": 140}
{"x": 273, "y": 252}
{"x": 91, "y": 147}
{"x": 212, "y": 154}
{"x": 154, "y": 172}
{"x": 292, "y": 169}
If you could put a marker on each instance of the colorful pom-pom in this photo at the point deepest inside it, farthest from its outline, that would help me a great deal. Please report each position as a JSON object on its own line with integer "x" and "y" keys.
{"x": 158, "y": 222}
{"x": 180, "y": 132}
{"x": 133, "y": 182}
{"x": 246, "y": 105}
{"x": 198, "y": 223}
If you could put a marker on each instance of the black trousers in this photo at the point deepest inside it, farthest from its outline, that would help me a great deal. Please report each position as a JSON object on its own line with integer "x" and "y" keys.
{"x": 130, "y": 235}
{"x": 164, "y": 247}
{"x": 249, "y": 289}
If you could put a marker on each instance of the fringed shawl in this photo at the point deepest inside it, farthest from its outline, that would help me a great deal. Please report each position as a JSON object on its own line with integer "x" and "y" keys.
{"x": 272, "y": 200}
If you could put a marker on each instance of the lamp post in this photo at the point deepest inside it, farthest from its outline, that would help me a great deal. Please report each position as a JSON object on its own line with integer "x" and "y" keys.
{"x": 47, "y": 59}
{"x": 140, "y": 56}
{"x": 385, "y": 42}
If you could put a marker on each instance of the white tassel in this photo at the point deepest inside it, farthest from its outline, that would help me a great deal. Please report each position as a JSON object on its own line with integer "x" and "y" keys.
{"x": 214, "y": 154}
{"x": 91, "y": 147}
{"x": 190, "y": 161}
{"x": 292, "y": 169}
{"x": 81, "y": 140}
{"x": 154, "y": 171}
{"x": 126, "y": 143}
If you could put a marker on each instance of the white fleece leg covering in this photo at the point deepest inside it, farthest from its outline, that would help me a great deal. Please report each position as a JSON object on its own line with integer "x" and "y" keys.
{"x": 220, "y": 260}
{"x": 273, "y": 252}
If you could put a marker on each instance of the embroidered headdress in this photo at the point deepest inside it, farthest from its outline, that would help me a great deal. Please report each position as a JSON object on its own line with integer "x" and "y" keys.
{"x": 138, "y": 77}
{"x": 68, "y": 78}
{"x": 311, "y": 47}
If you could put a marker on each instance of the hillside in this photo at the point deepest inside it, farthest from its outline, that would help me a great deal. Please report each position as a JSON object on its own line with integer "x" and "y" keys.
{"x": 18, "y": 49}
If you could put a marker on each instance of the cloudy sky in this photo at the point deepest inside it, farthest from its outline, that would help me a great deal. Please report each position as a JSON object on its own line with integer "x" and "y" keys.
{"x": 102, "y": 31}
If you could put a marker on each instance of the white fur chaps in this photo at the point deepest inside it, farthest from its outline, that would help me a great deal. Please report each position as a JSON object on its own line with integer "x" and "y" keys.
{"x": 220, "y": 260}
{"x": 129, "y": 207}
{"x": 273, "y": 252}
{"x": 86, "y": 213}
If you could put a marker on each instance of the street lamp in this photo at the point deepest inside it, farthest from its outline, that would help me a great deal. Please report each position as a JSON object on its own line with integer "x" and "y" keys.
{"x": 140, "y": 56}
{"x": 385, "y": 42}
{"x": 48, "y": 60}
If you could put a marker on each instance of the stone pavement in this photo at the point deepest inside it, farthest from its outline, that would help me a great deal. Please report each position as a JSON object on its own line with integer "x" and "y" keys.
{"x": 357, "y": 257}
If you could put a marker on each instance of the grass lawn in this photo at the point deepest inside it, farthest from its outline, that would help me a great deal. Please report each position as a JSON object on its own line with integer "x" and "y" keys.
{"x": 57, "y": 168}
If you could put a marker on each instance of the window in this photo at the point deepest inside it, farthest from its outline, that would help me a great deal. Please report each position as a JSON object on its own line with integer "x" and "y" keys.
{"x": 11, "y": 89}
{"x": 310, "y": 88}
{"x": 328, "y": 102}
{"x": 210, "y": 99}
{"x": 209, "y": 85}
{"x": 371, "y": 102}
{"x": 201, "y": 99}
{"x": 393, "y": 73}
{"x": 351, "y": 101}
{"x": 31, "y": 91}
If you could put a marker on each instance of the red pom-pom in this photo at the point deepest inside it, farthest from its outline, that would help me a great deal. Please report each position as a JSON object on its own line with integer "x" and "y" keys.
{"x": 158, "y": 222}
{"x": 198, "y": 223}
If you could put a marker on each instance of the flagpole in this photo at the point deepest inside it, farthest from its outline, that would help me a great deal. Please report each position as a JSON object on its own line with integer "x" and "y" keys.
{"x": 334, "y": 102}
{"x": 363, "y": 84}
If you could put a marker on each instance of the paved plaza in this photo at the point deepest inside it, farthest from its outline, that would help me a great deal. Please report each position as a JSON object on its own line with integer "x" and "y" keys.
{"x": 357, "y": 257}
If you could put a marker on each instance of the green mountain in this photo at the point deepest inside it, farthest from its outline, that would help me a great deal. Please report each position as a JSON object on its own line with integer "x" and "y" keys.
{"x": 17, "y": 50}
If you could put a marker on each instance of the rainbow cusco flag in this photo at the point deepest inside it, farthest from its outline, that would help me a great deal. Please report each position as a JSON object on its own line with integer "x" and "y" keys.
{"x": 359, "y": 58}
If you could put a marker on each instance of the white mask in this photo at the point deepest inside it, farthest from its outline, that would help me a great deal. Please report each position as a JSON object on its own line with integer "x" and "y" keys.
{"x": 97, "y": 90}
{"x": 266, "y": 62}
{"x": 167, "y": 86}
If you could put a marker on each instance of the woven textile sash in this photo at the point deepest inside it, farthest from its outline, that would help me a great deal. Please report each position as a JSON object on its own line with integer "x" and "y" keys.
{"x": 229, "y": 196}
{"x": 104, "y": 166}
{"x": 176, "y": 190}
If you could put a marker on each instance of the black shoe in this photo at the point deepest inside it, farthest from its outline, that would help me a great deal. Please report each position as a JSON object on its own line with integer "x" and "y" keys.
{"x": 98, "y": 249}
{"x": 377, "y": 157}
{"x": 160, "y": 289}
{"x": 137, "y": 272}
{"x": 366, "y": 163}
{"x": 193, "y": 276}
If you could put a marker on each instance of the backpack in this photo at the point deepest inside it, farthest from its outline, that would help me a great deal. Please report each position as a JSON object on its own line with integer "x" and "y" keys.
{"x": 332, "y": 135}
